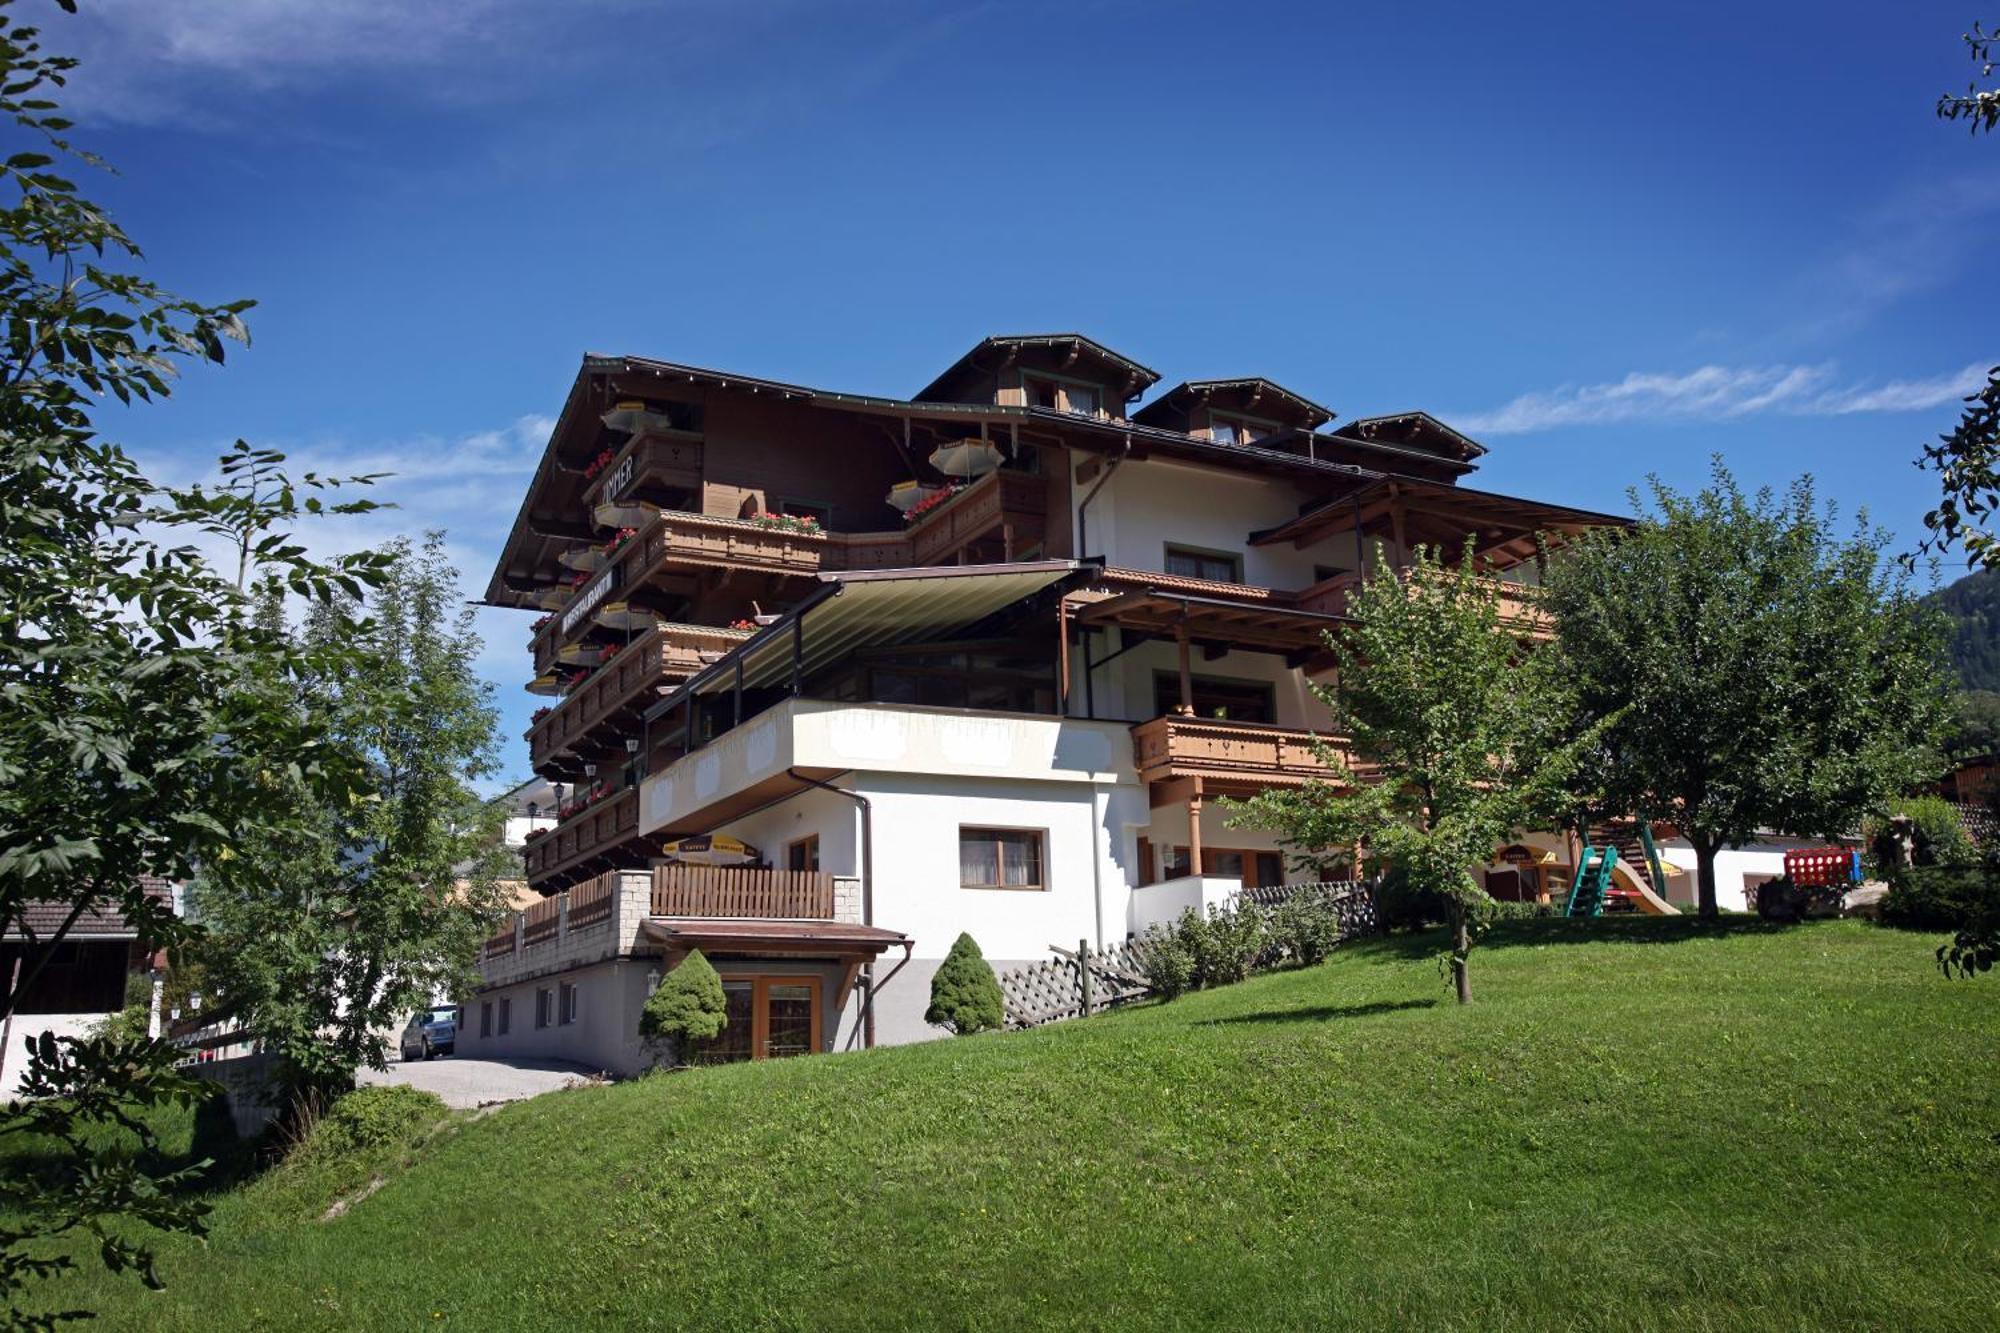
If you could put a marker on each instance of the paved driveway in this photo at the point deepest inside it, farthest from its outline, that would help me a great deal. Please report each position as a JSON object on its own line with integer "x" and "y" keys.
{"x": 467, "y": 1084}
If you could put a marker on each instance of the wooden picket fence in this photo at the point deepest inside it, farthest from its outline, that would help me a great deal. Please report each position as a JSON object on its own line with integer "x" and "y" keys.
{"x": 1083, "y": 981}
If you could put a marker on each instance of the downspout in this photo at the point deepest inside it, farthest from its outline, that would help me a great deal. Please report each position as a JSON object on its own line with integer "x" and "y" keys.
{"x": 867, "y": 889}
{"x": 1082, "y": 517}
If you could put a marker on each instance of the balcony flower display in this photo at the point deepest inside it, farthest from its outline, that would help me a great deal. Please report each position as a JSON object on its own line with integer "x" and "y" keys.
{"x": 609, "y": 651}
{"x": 576, "y": 579}
{"x": 744, "y": 624}
{"x": 930, "y": 504}
{"x": 582, "y": 801}
{"x": 540, "y": 713}
{"x": 804, "y": 523}
{"x": 597, "y": 465}
{"x": 542, "y": 623}
{"x": 618, "y": 540}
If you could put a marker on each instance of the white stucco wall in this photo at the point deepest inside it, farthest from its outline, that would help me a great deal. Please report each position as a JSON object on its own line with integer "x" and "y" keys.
{"x": 1123, "y": 688}
{"x": 1147, "y": 505}
{"x": 29, "y": 1028}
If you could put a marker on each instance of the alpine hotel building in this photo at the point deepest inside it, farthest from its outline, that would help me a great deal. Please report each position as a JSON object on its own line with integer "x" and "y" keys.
{"x": 976, "y": 660}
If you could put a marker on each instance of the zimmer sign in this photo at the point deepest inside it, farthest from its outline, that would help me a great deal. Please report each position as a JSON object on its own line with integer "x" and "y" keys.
{"x": 588, "y": 600}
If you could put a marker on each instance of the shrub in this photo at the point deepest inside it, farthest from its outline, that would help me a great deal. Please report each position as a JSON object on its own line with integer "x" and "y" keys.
{"x": 1167, "y": 963}
{"x": 965, "y": 995}
{"x": 1304, "y": 928}
{"x": 1940, "y": 897}
{"x": 372, "y": 1117}
{"x": 1938, "y": 836}
{"x": 687, "y": 1008}
{"x": 1401, "y": 907}
{"x": 1498, "y": 910}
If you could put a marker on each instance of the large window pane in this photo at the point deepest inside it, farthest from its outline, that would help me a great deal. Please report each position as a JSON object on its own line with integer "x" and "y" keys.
{"x": 990, "y": 858}
{"x": 790, "y": 1018}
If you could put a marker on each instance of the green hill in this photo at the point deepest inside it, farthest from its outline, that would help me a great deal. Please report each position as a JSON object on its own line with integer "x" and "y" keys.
{"x": 1973, "y": 603}
{"x": 1637, "y": 1124}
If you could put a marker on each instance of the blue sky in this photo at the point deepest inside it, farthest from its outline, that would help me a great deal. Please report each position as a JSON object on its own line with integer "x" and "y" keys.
{"x": 1609, "y": 240}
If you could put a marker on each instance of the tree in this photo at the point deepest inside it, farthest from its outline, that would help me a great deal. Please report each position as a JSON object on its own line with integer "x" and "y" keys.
{"x": 687, "y": 1008}
{"x": 322, "y": 934}
{"x": 1967, "y": 460}
{"x": 141, "y": 718}
{"x": 1453, "y": 728}
{"x": 965, "y": 996}
{"x": 1751, "y": 669}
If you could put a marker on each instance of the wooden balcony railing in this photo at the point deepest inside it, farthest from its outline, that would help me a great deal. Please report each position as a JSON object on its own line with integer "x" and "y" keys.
{"x": 603, "y": 837}
{"x": 649, "y": 467}
{"x": 1517, "y": 601}
{"x": 730, "y": 891}
{"x": 591, "y": 901}
{"x": 613, "y": 695}
{"x": 539, "y": 920}
{"x": 1009, "y": 505}
{"x": 500, "y": 942}
{"x": 1246, "y": 753}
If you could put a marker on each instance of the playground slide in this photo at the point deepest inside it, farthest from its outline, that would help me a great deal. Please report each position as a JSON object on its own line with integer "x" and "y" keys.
{"x": 1642, "y": 897}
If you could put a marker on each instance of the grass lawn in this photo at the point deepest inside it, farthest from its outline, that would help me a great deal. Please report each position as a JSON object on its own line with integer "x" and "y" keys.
{"x": 1637, "y": 1124}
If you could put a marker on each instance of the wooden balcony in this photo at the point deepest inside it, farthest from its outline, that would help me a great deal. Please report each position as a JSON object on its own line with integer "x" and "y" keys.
{"x": 1219, "y": 756}
{"x": 604, "y": 837}
{"x": 655, "y": 467}
{"x": 732, "y": 891}
{"x": 595, "y": 716}
{"x": 1518, "y": 609}
{"x": 1008, "y": 509}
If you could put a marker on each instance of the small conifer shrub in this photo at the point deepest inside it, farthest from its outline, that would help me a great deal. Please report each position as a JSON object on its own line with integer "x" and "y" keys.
{"x": 965, "y": 996}
{"x": 688, "y": 1008}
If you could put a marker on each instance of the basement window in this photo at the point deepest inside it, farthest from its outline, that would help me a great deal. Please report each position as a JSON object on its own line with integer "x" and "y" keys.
{"x": 1000, "y": 858}
{"x": 566, "y": 1004}
{"x": 506, "y": 1013}
{"x": 544, "y": 1006}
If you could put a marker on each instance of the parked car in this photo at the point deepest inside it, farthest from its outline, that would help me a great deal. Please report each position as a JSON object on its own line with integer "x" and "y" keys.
{"x": 431, "y": 1032}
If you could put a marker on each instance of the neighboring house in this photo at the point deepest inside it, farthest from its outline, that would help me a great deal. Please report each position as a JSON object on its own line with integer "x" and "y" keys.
{"x": 1971, "y": 780}
{"x": 83, "y": 983}
{"x": 1008, "y": 709}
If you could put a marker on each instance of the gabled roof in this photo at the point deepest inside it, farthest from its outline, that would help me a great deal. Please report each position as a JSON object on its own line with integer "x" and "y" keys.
{"x": 1313, "y": 414}
{"x": 1407, "y": 428}
{"x": 1075, "y": 344}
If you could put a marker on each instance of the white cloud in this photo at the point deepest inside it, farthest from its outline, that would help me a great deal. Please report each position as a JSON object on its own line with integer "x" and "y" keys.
{"x": 150, "y": 61}
{"x": 1719, "y": 393}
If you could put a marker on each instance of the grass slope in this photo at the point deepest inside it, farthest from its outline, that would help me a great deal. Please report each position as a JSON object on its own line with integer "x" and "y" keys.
{"x": 1636, "y": 1125}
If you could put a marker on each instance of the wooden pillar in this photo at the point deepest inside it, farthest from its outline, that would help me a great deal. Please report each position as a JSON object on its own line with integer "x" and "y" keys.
{"x": 1194, "y": 830}
{"x": 1396, "y": 529}
{"x": 1187, "y": 680}
{"x": 1062, "y": 654}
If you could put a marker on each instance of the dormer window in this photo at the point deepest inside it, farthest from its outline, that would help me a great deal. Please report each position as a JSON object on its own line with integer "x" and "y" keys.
{"x": 1238, "y": 430}
{"x": 1062, "y": 395}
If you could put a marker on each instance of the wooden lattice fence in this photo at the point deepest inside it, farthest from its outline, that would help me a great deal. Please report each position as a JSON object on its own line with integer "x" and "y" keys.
{"x": 1089, "y": 981}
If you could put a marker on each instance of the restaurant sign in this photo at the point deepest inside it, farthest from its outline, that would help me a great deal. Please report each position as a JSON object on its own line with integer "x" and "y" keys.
{"x": 588, "y": 600}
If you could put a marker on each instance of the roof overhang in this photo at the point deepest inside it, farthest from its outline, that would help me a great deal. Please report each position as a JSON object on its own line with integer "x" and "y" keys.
{"x": 1244, "y": 625}
{"x": 1491, "y": 517}
{"x": 1075, "y": 345}
{"x": 1254, "y": 386}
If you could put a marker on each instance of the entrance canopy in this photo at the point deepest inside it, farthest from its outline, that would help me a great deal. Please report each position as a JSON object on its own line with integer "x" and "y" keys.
{"x": 797, "y": 939}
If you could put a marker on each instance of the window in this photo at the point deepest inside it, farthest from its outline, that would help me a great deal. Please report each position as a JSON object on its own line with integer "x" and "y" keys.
{"x": 1215, "y": 697}
{"x": 803, "y": 854}
{"x": 566, "y": 1011}
{"x": 1321, "y": 573}
{"x": 1062, "y": 396}
{"x": 506, "y": 1013}
{"x": 486, "y": 1018}
{"x": 1237, "y": 430}
{"x": 813, "y": 509}
{"x": 998, "y": 858}
{"x": 544, "y": 1006}
{"x": 1191, "y": 563}
{"x": 1174, "y": 863}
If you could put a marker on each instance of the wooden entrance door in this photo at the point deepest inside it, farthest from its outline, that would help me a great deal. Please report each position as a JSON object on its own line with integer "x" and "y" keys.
{"x": 769, "y": 1018}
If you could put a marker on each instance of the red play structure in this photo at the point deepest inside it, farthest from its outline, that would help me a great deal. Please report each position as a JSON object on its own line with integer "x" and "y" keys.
{"x": 1823, "y": 867}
